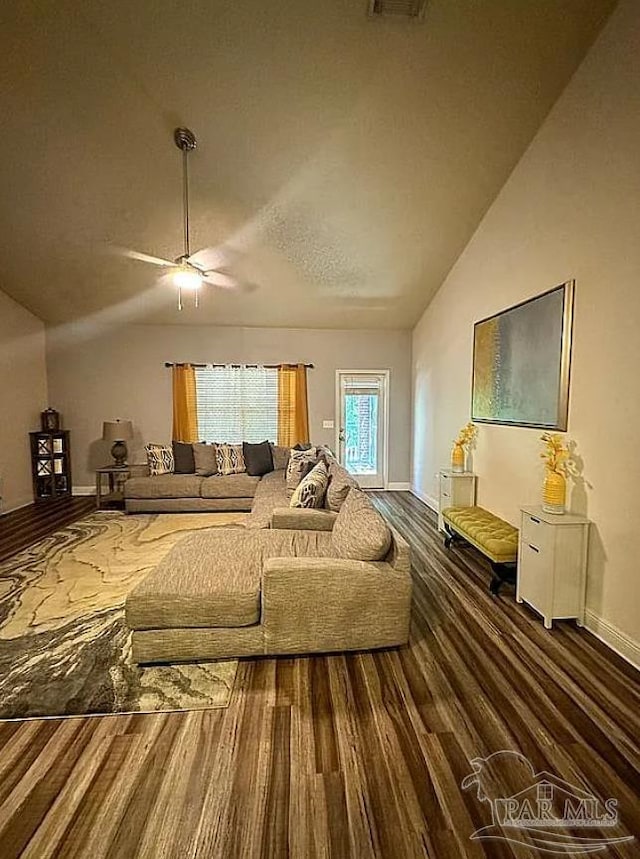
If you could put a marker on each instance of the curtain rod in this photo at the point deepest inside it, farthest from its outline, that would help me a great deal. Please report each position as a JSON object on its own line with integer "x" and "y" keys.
{"x": 201, "y": 366}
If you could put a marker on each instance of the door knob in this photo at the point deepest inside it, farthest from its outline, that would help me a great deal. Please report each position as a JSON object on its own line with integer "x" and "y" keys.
{"x": 341, "y": 435}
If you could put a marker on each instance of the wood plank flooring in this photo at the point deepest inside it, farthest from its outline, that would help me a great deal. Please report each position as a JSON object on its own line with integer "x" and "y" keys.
{"x": 20, "y": 528}
{"x": 358, "y": 755}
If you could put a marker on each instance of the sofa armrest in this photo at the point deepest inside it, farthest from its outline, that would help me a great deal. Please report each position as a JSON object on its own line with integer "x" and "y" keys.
{"x": 302, "y": 519}
{"x": 326, "y": 604}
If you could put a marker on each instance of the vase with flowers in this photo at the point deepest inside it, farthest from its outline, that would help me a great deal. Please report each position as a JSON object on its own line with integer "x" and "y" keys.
{"x": 556, "y": 460}
{"x": 459, "y": 451}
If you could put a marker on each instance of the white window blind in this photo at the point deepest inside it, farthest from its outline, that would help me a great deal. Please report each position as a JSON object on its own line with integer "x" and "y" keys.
{"x": 237, "y": 404}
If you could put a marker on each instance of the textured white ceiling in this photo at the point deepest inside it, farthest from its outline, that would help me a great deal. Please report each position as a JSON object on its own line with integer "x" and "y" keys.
{"x": 349, "y": 159}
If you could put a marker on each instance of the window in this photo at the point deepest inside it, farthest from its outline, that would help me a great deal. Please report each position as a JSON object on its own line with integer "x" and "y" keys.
{"x": 237, "y": 404}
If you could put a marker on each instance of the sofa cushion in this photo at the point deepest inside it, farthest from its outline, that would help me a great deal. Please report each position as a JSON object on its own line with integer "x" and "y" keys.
{"x": 164, "y": 486}
{"x": 213, "y": 579}
{"x": 203, "y": 581}
{"x": 280, "y": 456}
{"x": 258, "y": 458}
{"x": 359, "y": 531}
{"x": 184, "y": 462}
{"x": 230, "y": 459}
{"x": 340, "y": 483}
{"x": 311, "y": 489}
{"x": 206, "y": 462}
{"x": 229, "y": 486}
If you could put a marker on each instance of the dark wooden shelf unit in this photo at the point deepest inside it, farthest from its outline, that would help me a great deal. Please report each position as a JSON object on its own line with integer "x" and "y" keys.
{"x": 50, "y": 465}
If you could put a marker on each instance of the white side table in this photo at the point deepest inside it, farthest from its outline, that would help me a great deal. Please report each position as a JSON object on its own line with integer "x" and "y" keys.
{"x": 552, "y": 564}
{"x": 457, "y": 489}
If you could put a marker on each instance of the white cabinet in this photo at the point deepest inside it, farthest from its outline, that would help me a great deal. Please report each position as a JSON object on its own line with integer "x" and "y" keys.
{"x": 457, "y": 489}
{"x": 552, "y": 564}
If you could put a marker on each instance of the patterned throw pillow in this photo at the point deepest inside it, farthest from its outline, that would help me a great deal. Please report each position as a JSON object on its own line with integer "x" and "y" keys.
{"x": 311, "y": 489}
{"x": 359, "y": 531}
{"x": 230, "y": 459}
{"x": 159, "y": 459}
{"x": 298, "y": 460}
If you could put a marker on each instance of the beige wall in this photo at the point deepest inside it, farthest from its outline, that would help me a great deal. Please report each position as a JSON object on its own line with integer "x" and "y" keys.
{"x": 23, "y": 395}
{"x": 571, "y": 209}
{"x": 101, "y": 374}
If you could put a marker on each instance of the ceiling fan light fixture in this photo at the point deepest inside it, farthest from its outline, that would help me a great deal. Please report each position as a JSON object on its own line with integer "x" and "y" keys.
{"x": 186, "y": 278}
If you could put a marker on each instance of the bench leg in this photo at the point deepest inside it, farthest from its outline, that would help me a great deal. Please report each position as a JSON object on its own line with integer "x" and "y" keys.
{"x": 448, "y": 536}
{"x": 452, "y": 537}
{"x": 502, "y": 573}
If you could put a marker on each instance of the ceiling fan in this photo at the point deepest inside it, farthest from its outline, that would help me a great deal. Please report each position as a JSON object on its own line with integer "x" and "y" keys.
{"x": 189, "y": 272}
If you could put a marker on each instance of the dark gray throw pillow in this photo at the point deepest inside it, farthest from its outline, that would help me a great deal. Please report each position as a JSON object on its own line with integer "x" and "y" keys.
{"x": 258, "y": 458}
{"x": 183, "y": 458}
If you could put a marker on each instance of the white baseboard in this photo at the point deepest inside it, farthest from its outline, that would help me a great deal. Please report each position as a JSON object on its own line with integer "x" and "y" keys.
{"x": 613, "y": 637}
{"x": 84, "y": 490}
{"x": 398, "y": 487}
{"x": 428, "y": 500}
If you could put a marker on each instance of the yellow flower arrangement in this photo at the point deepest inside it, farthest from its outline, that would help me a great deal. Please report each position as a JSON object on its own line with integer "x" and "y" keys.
{"x": 556, "y": 453}
{"x": 559, "y": 463}
{"x": 466, "y": 435}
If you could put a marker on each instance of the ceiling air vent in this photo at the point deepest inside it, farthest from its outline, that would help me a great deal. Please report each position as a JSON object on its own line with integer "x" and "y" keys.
{"x": 403, "y": 8}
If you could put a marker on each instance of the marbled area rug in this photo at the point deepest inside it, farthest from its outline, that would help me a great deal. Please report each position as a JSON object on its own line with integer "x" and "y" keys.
{"x": 64, "y": 646}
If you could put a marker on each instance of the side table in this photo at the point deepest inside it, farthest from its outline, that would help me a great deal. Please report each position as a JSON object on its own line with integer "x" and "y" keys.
{"x": 552, "y": 564}
{"x": 117, "y": 478}
{"x": 457, "y": 489}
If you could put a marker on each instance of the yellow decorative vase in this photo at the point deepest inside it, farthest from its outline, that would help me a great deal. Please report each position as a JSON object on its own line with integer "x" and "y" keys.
{"x": 554, "y": 492}
{"x": 457, "y": 458}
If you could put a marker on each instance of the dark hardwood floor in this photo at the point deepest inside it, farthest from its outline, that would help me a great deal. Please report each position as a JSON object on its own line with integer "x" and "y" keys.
{"x": 20, "y": 528}
{"x": 355, "y": 755}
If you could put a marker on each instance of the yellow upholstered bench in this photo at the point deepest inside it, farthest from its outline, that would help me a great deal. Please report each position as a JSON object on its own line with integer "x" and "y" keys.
{"x": 492, "y": 536}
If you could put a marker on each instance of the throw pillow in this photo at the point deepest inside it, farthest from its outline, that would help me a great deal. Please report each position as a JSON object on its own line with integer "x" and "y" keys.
{"x": 204, "y": 456}
{"x": 280, "y": 456}
{"x": 184, "y": 462}
{"x": 302, "y": 446}
{"x": 230, "y": 459}
{"x": 310, "y": 491}
{"x": 258, "y": 458}
{"x": 296, "y": 465}
{"x": 159, "y": 459}
{"x": 340, "y": 482}
{"x": 359, "y": 531}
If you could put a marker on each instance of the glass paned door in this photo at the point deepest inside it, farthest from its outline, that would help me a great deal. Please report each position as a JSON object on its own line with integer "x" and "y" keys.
{"x": 362, "y": 426}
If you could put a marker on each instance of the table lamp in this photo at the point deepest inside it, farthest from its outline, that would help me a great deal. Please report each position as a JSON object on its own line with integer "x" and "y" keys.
{"x": 118, "y": 432}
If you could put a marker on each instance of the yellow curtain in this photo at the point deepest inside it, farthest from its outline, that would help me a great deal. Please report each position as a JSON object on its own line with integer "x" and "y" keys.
{"x": 293, "y": 408}
{"x": 185, "y": 408}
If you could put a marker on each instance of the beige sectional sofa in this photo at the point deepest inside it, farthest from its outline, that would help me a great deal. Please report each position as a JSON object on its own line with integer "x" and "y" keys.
{"x": 290, "y": 581}
{"x": 232, "y": 593}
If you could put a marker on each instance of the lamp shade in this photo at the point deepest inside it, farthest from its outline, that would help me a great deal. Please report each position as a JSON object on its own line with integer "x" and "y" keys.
{"x": 117, "y": 430}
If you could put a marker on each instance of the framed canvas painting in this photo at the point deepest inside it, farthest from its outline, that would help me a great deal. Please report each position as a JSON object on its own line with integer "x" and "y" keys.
{"x": 521, "y": 362}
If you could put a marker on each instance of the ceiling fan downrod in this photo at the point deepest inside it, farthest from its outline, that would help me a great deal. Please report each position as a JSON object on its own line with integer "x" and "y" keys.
{"x": 185, "y": 140}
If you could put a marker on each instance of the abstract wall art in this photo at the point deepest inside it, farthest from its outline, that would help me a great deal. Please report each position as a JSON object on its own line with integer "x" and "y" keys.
{"x": 521, "y": 362}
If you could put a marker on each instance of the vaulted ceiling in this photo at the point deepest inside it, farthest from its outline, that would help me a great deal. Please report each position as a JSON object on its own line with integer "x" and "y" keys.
{"x": 348, "y": 159}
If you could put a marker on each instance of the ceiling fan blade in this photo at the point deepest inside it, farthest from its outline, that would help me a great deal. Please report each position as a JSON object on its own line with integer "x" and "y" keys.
{"x": 208, "y": 259}
{"x": 144, "y": 257}
{"x": 219, "y": 278}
